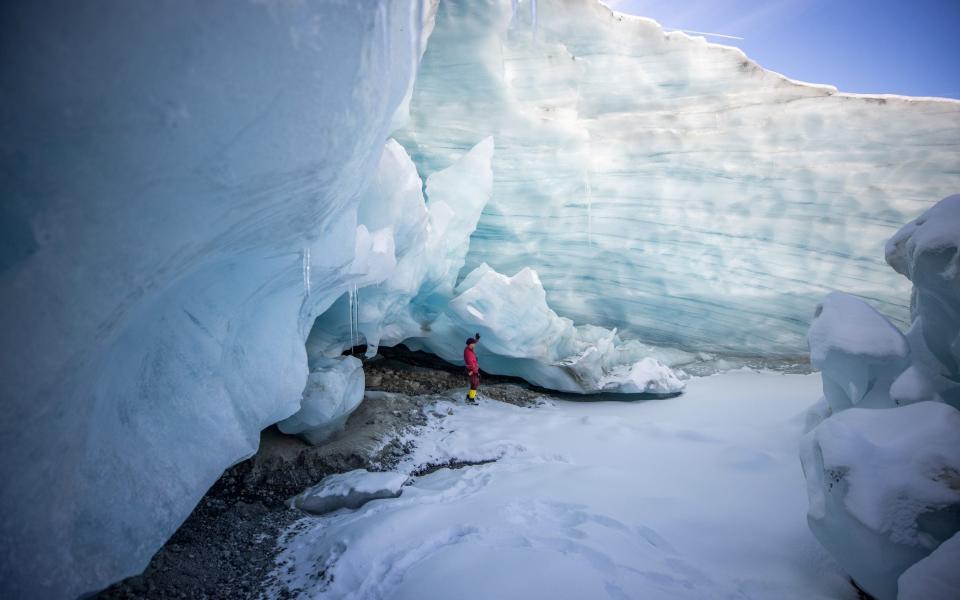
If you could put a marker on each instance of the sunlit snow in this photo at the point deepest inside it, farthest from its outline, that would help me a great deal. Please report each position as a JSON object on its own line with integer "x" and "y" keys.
{"x": 695, "y": 497}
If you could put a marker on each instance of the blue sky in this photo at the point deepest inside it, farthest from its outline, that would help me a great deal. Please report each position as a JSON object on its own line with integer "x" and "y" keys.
{"x": 866, "y": 46}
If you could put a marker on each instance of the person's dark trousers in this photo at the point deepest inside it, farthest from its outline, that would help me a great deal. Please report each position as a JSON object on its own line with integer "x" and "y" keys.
{"x": 474, "y": 384}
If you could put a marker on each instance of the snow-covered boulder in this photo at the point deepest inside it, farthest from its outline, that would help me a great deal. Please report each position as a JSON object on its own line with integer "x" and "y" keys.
{"x": 936, "y": 577}
{"x": 816, "y": 414}
{"x": 858, "y": 351}
{"x": 352, "y": 489}
{"x": 927, "y": 251}
{"x": 884, "y": 488}
{"x": 884, "y": 485}
{"x": 334, "y": 388}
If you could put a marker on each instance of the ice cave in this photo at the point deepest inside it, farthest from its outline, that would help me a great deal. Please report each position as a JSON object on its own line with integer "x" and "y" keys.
{"x": 717, "y": 310}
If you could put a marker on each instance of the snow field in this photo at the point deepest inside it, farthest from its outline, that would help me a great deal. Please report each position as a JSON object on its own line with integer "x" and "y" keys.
{"x": 700, "y": 496}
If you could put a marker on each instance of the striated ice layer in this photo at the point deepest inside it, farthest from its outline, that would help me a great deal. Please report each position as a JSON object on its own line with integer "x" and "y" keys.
{"x": 884, "y": 485}
{"x": 180, "y": 186}
{"x": 672, "y": 188}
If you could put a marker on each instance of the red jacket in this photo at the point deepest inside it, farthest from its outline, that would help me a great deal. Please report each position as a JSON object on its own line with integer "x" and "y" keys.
{"x": 470, "y": 359}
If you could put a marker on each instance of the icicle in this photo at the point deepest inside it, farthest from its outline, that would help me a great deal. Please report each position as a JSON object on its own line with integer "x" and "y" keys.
{"x": 513, "y": 6}
{"x": 356, "y": 314}
{"x": 353, "y": 305}
{"x": 306, "y": 270}
{"x": 350, "y": 316}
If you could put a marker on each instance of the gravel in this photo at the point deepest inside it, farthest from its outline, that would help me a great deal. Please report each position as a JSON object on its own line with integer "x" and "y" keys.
{"x": 226, "y": 547}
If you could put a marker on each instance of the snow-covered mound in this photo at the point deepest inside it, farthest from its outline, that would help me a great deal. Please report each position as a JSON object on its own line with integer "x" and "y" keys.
{"x": 858, "y": 351}
{"x": 864, "y": 359}
{"x": 927, "y": 251}
{"x": 936, "y": 577}
{"x": 884, "y": 485}
{"x": 668, "y": 187}
{"x": 884, "y": 488}
{"x": 352, "y": 489}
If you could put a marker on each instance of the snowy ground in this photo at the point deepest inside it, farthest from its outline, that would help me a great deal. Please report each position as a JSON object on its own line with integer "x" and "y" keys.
{"x": 699, "y": 496}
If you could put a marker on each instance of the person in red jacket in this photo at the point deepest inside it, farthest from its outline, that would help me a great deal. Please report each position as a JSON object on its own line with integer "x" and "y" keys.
{"x": 473, "y": 368}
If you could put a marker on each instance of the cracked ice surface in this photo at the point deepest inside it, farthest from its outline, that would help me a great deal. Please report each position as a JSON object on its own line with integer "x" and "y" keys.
{"x": 671, "y": 188}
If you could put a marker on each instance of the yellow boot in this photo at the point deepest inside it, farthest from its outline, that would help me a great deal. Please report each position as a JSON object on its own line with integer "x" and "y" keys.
{"x": 472, "y": 396}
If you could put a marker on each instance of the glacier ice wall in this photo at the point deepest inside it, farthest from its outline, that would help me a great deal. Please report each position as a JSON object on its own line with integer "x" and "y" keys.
{"x": 430, "y": 245}
{"x": 179, "y": 185}
{"x": 418, "y": 304}
{"x": 883, "y": 461}
{"x": 185, "y": 188}
{"x": 669, "y": 187}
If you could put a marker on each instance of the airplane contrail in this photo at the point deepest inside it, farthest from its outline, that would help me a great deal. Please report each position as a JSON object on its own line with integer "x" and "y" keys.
{"x": 730, "y": 37}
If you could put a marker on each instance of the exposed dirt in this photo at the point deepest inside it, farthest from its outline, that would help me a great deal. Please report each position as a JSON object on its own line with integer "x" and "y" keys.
{"x": 413, "y": 373}
{"x": 226, "y": 547}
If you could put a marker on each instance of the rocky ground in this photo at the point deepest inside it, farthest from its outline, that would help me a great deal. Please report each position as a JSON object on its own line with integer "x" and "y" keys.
{"x": 226, "y": 547}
